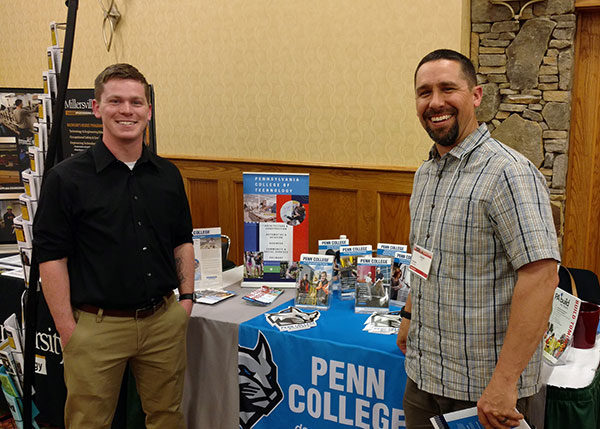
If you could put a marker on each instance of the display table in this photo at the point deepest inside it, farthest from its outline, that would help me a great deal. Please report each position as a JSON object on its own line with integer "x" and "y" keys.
{"x": 573, "y": 393}
{"x": 328, "y": 375}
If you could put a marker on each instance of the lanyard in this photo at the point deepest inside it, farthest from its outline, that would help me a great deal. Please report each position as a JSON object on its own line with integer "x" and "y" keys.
{"x": 444, "y": 200}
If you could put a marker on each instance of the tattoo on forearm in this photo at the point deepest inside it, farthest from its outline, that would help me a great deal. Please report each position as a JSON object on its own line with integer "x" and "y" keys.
{"x": 179, "y": 269}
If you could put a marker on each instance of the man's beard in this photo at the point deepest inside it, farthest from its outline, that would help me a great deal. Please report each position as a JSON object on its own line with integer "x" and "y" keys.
{"x": 447, "y": 139}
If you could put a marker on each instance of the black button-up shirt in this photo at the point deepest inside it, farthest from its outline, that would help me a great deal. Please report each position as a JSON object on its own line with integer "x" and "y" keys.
{"x": 117, "y": 227}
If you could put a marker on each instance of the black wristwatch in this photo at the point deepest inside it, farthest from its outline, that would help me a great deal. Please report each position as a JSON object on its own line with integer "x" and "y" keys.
{"x": 186, "y": 296}
{"x": 405, "y": 314}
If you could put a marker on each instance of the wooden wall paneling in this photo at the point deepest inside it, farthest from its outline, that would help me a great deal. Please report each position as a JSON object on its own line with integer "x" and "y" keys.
{"x": 366, "y": 218}
{"x": 581, "y": 245}
{"x": 237, "y": 240}
{"x": 205, "y": 202}
{"x": 334, "y": 214}
{"x": 394, "y": 222}
{"x": 367, "y": 205}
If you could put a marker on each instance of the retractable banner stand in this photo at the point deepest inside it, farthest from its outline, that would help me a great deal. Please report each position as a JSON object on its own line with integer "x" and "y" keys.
{"x": 276, "y": 215}
{"x": 306, "y": 369}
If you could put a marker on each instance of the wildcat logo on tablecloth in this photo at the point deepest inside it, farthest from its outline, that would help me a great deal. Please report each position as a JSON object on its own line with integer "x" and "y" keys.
{"x": 259, "y": 389}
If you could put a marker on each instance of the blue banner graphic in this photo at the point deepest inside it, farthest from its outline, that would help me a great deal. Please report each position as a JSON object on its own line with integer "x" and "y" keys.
{"x": 329, "y": 376}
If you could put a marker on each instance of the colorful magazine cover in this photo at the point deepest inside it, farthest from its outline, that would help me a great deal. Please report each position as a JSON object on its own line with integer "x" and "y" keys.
{"x": 313, "y": 287}
{"x": 276, "y": 216}
{"x": 400, "y": 281}
{"x": 332, "y": 247}
{"x": 561, "y": 325}
{"x": 348, "y": 259}
{"x": 372, "y": 285}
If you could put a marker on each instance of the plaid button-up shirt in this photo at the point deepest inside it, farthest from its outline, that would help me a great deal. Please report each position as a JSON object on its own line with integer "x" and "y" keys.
{"x": 484, "y": 211}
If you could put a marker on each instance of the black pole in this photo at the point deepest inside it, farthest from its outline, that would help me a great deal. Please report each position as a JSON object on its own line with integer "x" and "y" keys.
{"x": 55, "y": 154}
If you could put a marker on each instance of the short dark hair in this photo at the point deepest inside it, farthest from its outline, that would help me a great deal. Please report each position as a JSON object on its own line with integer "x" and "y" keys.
{"x": 466, "y": 65}
{"x": 119, "y": 71}
{"x": 18, "y": 102}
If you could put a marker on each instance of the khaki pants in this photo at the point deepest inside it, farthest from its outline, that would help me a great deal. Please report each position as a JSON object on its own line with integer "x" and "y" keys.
{"x": 95, "y": 359}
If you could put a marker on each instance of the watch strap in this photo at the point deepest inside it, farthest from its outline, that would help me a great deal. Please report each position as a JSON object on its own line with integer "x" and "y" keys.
{"x": 186, "y": 296}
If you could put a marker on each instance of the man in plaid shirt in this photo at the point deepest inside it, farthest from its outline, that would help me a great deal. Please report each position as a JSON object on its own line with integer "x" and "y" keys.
{"x": 484, "y": 264}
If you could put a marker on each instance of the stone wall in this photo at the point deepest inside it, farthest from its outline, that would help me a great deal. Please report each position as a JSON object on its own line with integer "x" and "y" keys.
{"x": 525, "y": 67}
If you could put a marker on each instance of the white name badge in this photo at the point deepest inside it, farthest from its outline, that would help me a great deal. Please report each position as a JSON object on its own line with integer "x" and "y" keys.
{"x": 420, "y": 263}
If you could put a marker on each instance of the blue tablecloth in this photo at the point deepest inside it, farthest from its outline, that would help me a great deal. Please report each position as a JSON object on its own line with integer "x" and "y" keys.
{"x": 332, "y": 375}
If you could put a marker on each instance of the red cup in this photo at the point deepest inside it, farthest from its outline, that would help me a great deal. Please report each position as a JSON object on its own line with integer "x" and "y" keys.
{"x": 584, "y": 336}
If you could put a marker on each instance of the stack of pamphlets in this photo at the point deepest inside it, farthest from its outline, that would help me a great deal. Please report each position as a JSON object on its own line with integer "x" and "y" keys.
{"x": 464, "y": 419}
{"x": 263, "y": 296}
{"x": 11, "y": 371}
{"x": 314, "y": 280}
{"x": 561, "y": 325}
{"x": 348, "y": 259}
{"x": 372, "y": 285}
{"x": 212, "y": 296}
{"x": 400, "y": 281}
{"x": 332, "y": 247}
{"x": 383, "y": 323}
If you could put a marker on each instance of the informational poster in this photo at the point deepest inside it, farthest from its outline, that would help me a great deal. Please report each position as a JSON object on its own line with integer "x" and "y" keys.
{"x": 208, "y": 267}
{"x": 276, "y": 215}
{"x": 18, "y": 126}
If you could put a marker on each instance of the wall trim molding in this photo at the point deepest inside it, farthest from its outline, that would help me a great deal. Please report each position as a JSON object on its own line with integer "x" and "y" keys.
{"x": 312, "y": 164}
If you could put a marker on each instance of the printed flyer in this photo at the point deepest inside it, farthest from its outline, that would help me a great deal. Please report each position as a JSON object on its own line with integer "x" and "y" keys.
{"x": 348, "y": 260}
{"x": 561, "y": 325}
{"x": 332, "y": 247}
{"x": 276, "y": 217}
{"x": 313, "y": 285}
{"x": 208, "y": 267}
{"x": 373, "y": 285}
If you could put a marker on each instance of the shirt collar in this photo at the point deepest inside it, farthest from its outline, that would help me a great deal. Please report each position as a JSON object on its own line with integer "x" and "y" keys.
{"x": 104, "y": 157}
{"x": 478, "y": 136}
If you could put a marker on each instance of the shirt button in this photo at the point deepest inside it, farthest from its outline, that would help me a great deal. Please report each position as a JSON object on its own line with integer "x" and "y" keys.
{"x": 428, "y": 236}
{"x": 433, "y": 206}
{"x": 145, "y": 248}
{"x": 148, "y": 274}
{"x": 135, "y": 197}
{"x": 139, "y": 223}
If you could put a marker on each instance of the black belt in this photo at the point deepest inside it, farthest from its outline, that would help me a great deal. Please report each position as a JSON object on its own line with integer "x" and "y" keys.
{"x": 139, "y": 313}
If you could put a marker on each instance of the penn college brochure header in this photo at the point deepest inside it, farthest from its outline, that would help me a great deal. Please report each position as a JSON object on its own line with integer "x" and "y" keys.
{"x": 276, "y": 216}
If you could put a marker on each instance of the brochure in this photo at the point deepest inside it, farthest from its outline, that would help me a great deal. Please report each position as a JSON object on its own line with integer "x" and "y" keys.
{"x": 276, "y": 216}
{"x": 14, "y": 399}
{"x": 464, "y": 419}
{"x": 264, "y": 295}
{"x": 561, "y": 325}
{"x": 373, "y": 285}
{"x": 332, "y": 247}
{"x": 348, "y": 259}
{"x": 207, "y": 257}
{"x": 212, "y": 296}
{"x": 400, "y": 281}
{"x": 383, "y": 323}
{"x": 314, "y": 280}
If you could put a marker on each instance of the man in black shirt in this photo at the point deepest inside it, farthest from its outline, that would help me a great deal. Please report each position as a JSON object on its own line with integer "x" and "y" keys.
{"x": 113, "y": 237}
